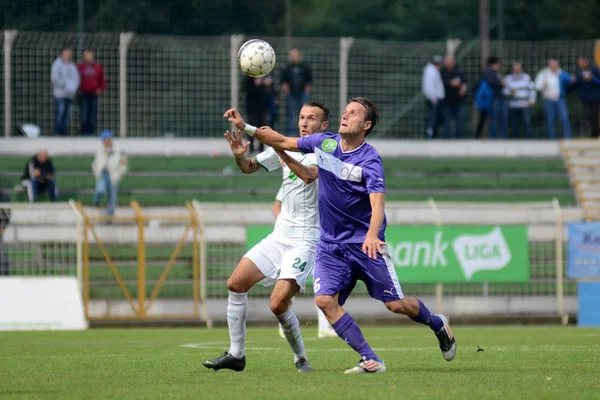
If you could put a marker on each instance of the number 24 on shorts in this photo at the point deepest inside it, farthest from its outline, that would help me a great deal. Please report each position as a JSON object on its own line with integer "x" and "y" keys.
{"x": 299, "y": 264}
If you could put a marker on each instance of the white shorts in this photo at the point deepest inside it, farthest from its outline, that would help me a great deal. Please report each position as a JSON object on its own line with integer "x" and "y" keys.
{"x": 279, "y": 260}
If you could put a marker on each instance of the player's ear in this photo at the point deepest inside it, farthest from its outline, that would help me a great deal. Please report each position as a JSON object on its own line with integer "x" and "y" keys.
{"x": 368, "y": 125}
{"x": 324, "y": 125}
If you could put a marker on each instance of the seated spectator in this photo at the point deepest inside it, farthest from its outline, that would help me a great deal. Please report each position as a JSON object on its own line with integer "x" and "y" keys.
{"x": 109, "y": 166}
{"x": 521, "y": 95}
{"x": 4, "y": 221}
{"x": 38, "y": 177}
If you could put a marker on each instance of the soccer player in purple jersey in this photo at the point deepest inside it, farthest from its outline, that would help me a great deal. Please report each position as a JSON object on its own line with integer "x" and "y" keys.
{"x": 352, "y": 244}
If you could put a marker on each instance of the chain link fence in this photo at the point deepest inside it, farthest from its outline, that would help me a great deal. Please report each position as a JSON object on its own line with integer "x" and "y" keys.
{"x": 180, "y": 86}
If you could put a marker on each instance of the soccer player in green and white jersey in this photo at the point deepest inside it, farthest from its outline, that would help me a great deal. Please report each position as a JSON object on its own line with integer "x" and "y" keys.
{"x": 325, "y": 328}
{"x": 286, "y": 257}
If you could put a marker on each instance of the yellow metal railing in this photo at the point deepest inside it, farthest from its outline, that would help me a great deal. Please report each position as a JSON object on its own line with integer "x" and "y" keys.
{"x": 143, "y": 304}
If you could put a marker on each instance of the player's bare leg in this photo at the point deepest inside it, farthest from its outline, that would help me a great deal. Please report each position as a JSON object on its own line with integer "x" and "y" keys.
{"x": 280, "y": 301}
{"x": 348, "y": 330}
{"x": 245, "y": 275}
{"x": 418, "y": 312}
{"x": 325, "y": 328}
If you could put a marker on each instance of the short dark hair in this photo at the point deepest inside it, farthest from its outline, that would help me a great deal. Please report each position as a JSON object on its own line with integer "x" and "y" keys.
{"x": 492, "y": 60}
{"x": 371, "y": 111}
{"x": 318, "y": 104}
{"x": 66, "y": 47}
{"x": 87, "y": 49}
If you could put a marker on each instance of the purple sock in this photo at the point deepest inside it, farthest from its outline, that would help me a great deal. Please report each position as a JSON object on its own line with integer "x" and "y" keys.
{"x": 347, "y": 329}
{"x": 427, "y": 318}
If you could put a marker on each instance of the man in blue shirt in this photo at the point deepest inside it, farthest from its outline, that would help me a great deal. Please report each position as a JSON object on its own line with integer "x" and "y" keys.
{"x": 352, "y": 244}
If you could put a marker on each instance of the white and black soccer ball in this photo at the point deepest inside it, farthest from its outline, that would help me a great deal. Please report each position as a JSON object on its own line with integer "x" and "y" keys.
{"x": 256, "y": 57}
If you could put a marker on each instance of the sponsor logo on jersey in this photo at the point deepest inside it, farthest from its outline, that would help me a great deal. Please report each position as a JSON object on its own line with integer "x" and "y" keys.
{"x": 329, "y": 145}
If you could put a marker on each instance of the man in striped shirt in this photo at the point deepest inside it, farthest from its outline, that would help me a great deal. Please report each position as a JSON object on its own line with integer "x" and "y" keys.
{"x": 520, "y": 92}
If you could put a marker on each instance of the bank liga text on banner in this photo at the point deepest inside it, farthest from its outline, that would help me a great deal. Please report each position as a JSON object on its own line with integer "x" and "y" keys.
{"x": 450, "y": 254}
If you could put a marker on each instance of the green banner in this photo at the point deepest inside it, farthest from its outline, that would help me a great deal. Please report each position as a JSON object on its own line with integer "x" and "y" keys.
{"x": 449, "y": 254}
{"x": 455, "y": 254}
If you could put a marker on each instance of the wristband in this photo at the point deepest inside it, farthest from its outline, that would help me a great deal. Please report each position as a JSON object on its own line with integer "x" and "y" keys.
{"x": 249, "y": 130}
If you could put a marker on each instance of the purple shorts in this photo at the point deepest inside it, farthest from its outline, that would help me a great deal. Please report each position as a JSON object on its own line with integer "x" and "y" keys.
{"x": 340, "y": 265}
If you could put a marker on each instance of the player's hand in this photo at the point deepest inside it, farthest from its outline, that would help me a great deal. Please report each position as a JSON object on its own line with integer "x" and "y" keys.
{"x": 372, "y": 245}
{"x": 235, "y": 118}
{"x": 235, "y": 142}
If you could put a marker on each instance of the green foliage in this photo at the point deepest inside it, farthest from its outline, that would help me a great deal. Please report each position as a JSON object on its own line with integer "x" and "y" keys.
{"x": 376, "y": 19}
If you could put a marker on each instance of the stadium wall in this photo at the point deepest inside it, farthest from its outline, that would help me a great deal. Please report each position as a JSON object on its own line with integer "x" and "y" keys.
{"x": 219, "y": 147}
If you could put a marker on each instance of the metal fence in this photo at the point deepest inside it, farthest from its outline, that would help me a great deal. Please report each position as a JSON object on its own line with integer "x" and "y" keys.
{"x": 180, "y": 86}
{"x": 164, "y": 269}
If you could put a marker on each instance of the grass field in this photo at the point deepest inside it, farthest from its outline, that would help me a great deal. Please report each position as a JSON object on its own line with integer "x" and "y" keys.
{"x": 517, "y": 363}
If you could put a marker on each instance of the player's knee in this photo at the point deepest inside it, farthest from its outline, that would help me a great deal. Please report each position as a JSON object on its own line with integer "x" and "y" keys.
{"x": 234, "y": 285}
{"x": 326, "y": 303}
{"x": 397, "y": 307}
{"x": 278, "y": 305}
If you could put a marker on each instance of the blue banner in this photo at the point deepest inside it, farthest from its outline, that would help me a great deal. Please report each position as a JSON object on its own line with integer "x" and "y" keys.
{"x": 584, "y": 251}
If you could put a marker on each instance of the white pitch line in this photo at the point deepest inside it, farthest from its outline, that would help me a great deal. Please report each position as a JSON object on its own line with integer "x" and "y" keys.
{"x": 404, "y": 349}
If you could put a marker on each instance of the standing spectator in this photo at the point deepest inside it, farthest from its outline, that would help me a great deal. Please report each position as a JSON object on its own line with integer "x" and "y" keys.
{"x": 553, "y": 82}
{"x": 296, "y": 81}
{"x": 92, "y": 85}
{"x": 588, "y": 82}
{"x": 455, "y": 88}
{"x": 65, "y": 82}
{"x": 433, "y": 90}
{"x": 109, "y": 166}
{"x": 272, "y": 100}
{"x": 256, "y": 106}
{"x": 521, "y": 95}
{"x": 39, "y": 176}
{"x": 498, "y": 112}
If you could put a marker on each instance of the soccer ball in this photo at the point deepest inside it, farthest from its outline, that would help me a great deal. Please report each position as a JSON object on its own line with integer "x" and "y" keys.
{"x": 256, "y": 57}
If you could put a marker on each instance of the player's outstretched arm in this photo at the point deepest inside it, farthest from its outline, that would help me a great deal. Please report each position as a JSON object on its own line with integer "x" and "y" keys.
{"x": 265, "y": 135}
{"x": 372, "y": 245}
{"x": 307, "y": 174}
{"x": 276, "y": 140}
{"x": 239, "y": 149}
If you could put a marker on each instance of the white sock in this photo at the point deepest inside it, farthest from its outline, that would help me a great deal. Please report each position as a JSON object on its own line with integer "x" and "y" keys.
{"x": 237, "y": 312}
{"x": 291, "y": 331}
{"x": 323, "y": 323}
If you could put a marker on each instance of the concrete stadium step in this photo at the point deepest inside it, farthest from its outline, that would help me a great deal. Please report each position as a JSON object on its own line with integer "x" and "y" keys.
{"x": 580, "y": 144}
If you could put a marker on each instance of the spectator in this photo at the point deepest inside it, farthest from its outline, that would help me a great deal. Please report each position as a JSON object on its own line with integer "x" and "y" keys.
{"x": 553, "y": 82}
{"x": 92, "y": 85}
{"x": 433, "y": 90}
{"x": 65, "y": 82}
{"x": 588, "y": 82}
{"x": 256, "y": 106}
{"x": 4, "y": 221}
{"x": 521, "y": 95}
{"x": 109, "y": 166}
{"x": 498, "y": 112}
{"x": 38, "y": 177}
{"x": 455, "y": 88}
{"x": 272, "y": 100}
{"x": 296, "y": 82}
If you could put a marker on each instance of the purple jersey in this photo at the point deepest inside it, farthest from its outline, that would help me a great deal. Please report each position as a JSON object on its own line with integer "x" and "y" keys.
{"x": 345, "y": 181}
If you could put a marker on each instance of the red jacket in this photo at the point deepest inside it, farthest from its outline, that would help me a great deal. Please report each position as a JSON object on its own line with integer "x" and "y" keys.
{"x": 92, "y": 77}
